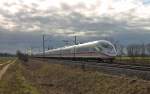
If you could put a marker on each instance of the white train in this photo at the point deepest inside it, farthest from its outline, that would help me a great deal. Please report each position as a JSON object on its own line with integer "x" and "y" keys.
{"x": 101, "y": 50}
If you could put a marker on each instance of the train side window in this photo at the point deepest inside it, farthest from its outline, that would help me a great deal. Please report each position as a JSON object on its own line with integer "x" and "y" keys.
{"x": 66, "y": 51}
{"x": 85, "y": 49}
{"x": 52, "y": 52}
{"x": 104, "y": 45}
{"x": 77, "y": 50}
{"x": 63, "y": 51}
{"x": 92, "y": 49}
{"x": 69, "y": 51}
{"x": 82, "y": 49}
{"x": 57, "y": 52}
{"x": 72, "y": 50}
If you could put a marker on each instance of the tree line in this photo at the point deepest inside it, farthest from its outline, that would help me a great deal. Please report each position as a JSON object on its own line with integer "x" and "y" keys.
{"x": 133, "y": 49}
{"x": 6, "y": 55}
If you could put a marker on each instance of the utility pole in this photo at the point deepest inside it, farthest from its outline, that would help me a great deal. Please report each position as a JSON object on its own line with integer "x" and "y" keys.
{"x": 43, "y": 45}
{"x": 48, "y": 48}
{"x": 75, "y": 42}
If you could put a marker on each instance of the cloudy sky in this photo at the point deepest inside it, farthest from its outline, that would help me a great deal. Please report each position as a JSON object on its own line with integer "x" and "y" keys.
{"x": 22, "y": 22}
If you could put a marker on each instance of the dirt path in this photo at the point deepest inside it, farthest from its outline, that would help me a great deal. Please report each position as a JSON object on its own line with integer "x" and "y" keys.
{"x": 4, "y": 69}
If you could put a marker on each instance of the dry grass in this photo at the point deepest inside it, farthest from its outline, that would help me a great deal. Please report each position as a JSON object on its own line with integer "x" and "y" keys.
{"x": 5, "y": 59}
{"x": 38, "y": 77}
{"x": 14, "y": 82}
{"x": 60, "y": 79}
{"x": 133, "y": 60}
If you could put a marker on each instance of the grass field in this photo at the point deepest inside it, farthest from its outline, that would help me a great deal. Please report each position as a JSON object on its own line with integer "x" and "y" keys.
{"x": 130, "y": 58}
{"x": 38, "y": 77}
{"x": 60, "y": 79}
{"x": 14, "y": 82}
{"x": 5, "y": 59}
{"x": 134, "y": 60}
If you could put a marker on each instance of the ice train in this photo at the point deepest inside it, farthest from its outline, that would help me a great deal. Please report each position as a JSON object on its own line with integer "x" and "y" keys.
{"x": 99, "y": 50}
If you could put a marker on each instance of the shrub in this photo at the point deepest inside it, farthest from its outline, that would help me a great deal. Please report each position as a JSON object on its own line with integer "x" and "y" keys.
{"x": 21, "y": 56}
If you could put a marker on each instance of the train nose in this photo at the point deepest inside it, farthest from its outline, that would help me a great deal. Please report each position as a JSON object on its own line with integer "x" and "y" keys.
{"x": 111, "y": 52}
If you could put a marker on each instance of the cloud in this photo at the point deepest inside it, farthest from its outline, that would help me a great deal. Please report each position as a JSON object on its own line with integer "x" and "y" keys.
{"x": 65, "y": 18}
{"x": 77, "y": 16}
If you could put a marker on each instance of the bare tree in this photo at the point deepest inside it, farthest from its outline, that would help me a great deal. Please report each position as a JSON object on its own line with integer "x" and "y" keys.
{"x": 148, "y": 49}
{"x": 143, "y": 50}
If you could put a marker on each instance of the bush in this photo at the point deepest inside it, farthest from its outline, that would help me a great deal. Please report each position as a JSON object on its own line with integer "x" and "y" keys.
{"x": 21, "y": 56}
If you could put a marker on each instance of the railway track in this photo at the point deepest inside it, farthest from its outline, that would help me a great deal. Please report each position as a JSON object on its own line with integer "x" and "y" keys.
{"x": 112, "y": 65}
{"x": 131, "y": 70}
{"x": 108, "y": 64}
{"x": 125, "y": 66}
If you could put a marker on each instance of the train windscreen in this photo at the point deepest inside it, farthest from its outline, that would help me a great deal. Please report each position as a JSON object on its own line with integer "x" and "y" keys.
{"x": 106, "y": 48}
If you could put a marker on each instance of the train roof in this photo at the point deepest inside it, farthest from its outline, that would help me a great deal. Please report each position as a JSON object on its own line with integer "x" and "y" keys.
{"x": 79, "y": 45}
